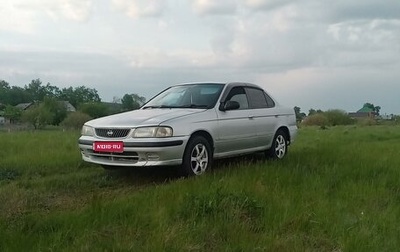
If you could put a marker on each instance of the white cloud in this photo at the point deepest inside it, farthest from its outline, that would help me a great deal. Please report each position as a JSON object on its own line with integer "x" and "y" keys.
{"x": 24, "y": 16}
{"x": 371, "y": 33}
{"x": 147, "y": 57}
{"x": 265, "y": 4}
{"x": 213, "y": 7}
{"x": 312, "y": 48}
{"x": 13, "y": 18}
{"x": 76, "y": 10}
{"x": 366, "y": 42}
{"x": 140, "y": 8}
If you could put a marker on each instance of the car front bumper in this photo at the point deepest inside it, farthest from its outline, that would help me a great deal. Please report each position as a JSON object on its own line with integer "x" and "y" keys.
{"x": 137, "y": 152}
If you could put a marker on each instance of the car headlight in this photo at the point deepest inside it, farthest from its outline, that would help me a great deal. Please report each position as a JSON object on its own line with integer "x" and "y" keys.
{"x": 87, "y": 131}
{"x": 152, "y": 132}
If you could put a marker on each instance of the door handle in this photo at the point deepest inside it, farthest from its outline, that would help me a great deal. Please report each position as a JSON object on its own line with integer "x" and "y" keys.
{"x": 251, "y": 117}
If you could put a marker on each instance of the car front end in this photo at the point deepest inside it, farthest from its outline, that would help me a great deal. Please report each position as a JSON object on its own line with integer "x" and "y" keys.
{"x": 137, "y": 138}
{"x": 141, "y": 146}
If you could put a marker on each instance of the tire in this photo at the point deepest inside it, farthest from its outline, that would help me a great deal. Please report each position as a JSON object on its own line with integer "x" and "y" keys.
{"x": 197, "y": 157}
{"x": 279, "y": 147}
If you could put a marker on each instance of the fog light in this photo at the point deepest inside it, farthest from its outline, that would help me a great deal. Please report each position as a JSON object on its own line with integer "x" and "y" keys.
{"x": 152, "y": 157}
{"x": 84, "y": 153}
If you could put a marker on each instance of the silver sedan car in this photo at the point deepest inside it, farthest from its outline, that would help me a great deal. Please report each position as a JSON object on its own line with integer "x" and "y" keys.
{"x": 189, "y": 125}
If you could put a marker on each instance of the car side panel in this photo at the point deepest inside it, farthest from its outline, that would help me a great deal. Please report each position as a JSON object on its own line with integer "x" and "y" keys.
{"x": 266, "y": 123}
{"x": 236, "y": 131}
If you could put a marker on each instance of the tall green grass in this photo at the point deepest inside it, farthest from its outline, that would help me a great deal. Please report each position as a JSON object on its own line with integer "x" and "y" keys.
{"x": 337, "y": 190}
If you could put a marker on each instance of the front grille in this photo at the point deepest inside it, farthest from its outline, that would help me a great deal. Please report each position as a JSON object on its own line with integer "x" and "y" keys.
{"x": 126, "y": 157}
{"x": 112, "y": 133}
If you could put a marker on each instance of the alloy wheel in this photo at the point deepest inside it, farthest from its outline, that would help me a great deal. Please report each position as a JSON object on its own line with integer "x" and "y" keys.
{"x": 199, "y": 159}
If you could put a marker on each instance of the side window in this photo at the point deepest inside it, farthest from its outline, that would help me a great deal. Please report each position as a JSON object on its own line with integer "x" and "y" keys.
{"x": 238, "y": 94}
{"x": 257, "y": 98}
{"x": 270, "y": 102}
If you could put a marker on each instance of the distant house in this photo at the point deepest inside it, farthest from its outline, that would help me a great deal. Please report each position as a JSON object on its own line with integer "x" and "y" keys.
{"x": 68, "y": 106}
{"x": 363, "y": 113}
{"x": 24, "y": 106}
{"x": 385, "y": 117}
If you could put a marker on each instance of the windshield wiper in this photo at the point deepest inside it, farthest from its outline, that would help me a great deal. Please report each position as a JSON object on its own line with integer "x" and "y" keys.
{"x": 196, "y": 106}
{"x": 159, "y": 106}
{"x": 183, "y": 106}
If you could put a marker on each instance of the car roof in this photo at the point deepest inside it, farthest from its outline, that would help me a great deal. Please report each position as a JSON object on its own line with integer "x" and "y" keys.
{"x": 231, "y": 84}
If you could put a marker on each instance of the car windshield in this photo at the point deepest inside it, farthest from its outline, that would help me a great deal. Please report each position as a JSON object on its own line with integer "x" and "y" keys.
{"x": 187, "y": 96}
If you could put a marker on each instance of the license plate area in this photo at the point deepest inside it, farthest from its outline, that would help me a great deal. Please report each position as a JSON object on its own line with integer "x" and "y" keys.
{"x": 117, "y": 147}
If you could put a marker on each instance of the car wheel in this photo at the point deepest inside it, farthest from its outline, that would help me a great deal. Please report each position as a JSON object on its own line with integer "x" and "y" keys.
{"x": 197, "y": 157}
{"x": 279, "y": 146}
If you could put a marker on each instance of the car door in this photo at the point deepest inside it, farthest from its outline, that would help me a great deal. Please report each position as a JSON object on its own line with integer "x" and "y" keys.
{"x": 264, "y": 115}
{"x": 237, "y": 130}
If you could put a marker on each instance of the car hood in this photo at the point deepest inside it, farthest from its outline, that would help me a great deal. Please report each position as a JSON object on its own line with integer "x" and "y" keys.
{"x": 145, "y": 117}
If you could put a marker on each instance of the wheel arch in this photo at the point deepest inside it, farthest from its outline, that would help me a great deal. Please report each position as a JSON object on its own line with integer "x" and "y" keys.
{"x": 208, "y": 138}
{"x": 204, "y": 134}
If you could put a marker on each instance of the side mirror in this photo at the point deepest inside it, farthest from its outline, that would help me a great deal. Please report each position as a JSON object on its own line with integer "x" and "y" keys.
{"x": 230, "y": 105}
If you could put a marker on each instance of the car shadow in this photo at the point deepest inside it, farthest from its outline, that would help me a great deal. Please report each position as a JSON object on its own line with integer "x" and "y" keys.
{"x": 233, "y": 162}
{"x": 141, "y": 176}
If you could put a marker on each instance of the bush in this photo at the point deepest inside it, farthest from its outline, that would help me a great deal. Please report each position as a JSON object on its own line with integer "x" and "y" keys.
{"x": 367, "y": 122}
{"x": 338, "y": 117}
{"x": 331, "y": 117}
{"x": 316, "y": 120}
{"x": 94, "y": 109}
{"x": 38, "y": 116}
{"x": 75, "y": 120}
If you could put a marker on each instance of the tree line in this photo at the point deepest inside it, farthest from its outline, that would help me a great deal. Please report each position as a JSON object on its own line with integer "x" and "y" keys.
{"x": 35, "y": 91}
{"x": 335, "y": 117}
{"x": 48, "y": 103}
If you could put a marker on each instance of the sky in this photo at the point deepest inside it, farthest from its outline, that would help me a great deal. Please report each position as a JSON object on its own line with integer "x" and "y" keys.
{"x": 307, "y": 53}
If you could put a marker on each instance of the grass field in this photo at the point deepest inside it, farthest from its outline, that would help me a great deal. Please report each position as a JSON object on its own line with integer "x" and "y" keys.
{"x": 337, "y": 190}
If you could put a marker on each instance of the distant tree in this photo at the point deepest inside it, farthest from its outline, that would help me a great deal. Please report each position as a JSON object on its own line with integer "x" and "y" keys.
{"x": 369, "y": 105}
{"x": 35, "y": 90}
{"x": 132, "y": 101}
{"x": 75, "y": 120}
{"x": 57, "y": 109}
{"x": 4, "y": 85}
{"x": 94, "y": 109}
{"x": 12, "y": 95}
{"x": 138, "y": 99}
{"x": 39, "y": 116}
{"x": 374, "y": 108}
{"x": 4, "y": 92}
{"x": 299, "y": 115}
{"x": 313, "y": 111}
{"x": 18, "y": 95}
{"x": 128, "y": 102}
{"x": 12, "y": 113}
{"x": 377, "y": 109}
{"x": 52, "y": 91}
{"x": 79, "y": 95}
